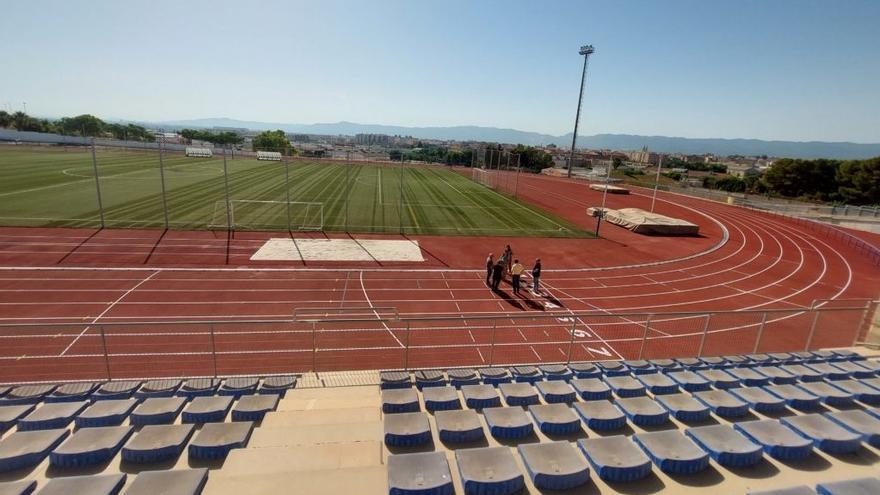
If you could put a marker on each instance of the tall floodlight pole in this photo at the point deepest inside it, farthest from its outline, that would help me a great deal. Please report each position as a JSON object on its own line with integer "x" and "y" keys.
{"x": 656, "y": 183}
{"x": 586, "y": 51}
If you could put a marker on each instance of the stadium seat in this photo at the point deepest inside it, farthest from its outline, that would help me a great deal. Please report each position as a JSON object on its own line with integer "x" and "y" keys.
{"x": 116, "y": 390}
{"x": 429, "y": 378}
{"x": 823, "y": 356}
{"x": 555, "y": 419}
{"x": 860, "y": 391}
{"x": 664, "y": 365}
{"x": 658, "y": 384}
{"x": 459, "y": 426}
{"x": 464, "y": 376}
{"x": 518, "y": 394}
{"x": 781, "y": 357}
{"x": 759, "y": 359}
{"x": 554, "y": 465}
{"x": 176, "y": 482}
{"x": 690, "y": 381}
{"x": 400, "y": 400}
{"x": 600, "y": 415}
{"x": 106, "y": 413}
{"x": 846, "y": 355}
{"x": 157, "y": 411}
{"x": 26, "y": 394}
{"x": 494, "y": 376}
{"x": 828, "y": 394}
{"x": 508, "y": 422}
{"x": 828, "y": 371}
{"x": 615, "y": 458}
{"x": 859, "y": 486}
{"x": 806, "y": 356}
{"x": 795, "y": 490}
{"x": 749, "y": 377}
{"x": 441, "y": 398}
{"x": 239, "y": 386}
{"x": 4, "y": 389}
{"x": 684, "y": 407}
{"x": 158, "y": 388}
{"x": 254, "y": 407}
{"x": 643, "y": 411}
{"x": 715, "y": 362}
{"x": 9, "y": 415}
{"x": 489, "y": 470}
{"x": 72, "y": 392}
{"x": 585, "y": 370}
{"x": 526, "y": 374}
{"x": 801, "y": 372}
{"x": 776, "y": 375}
{"x": 692, "y": 364}
{"x": 858, "y": 422}
{"x": 207, "y": 410}
{"x": 719, "y": 379}
{"x": 855, "y": 369}
{"x": 672, "y": 452}
{"x": 277, "y": 385}
{"x": 90, "y": 446}
{"x": 726, "y": 446}
{"x": 826, "y": 435}
{"x": 872, "y": 366}
{"x": 102, "y": 484}
{"x": 871, "y": 382}
{"x": 422, "y": 473}
{"x": 157, "y": 443}
{"x": 23, "y": 449}
{"x": 480, "y": 396}
{"x": 591, "y": 389}
{"x": 738, "y": 361}
{"x": 556, "y": 391}
{"x": 794, "y": 397}
{"x": 51, "y": 416}
{"x": 216, "y": 440}
{"x": 555, "y": 372}
{"x": 18, "y": 487}
{"x": 198, "y": 387}
{"x": 722, "y": 403}
{"x": 776, "y": 439}
{"x": 640, "y": 367}
{"x": 407, "y": 429}
{"x": 759, "y": 399}
{"x": 625, "y": 386}
{"x": 613, "y": 368}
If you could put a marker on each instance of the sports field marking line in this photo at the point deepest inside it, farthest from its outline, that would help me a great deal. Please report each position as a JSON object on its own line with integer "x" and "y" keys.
{"x": 457, "y": 306}
{"x": 370, "y": 303}
{"x": 86, "y": 329}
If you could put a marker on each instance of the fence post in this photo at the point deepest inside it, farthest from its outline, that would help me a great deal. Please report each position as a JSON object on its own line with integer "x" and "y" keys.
{"x": 492, "y": 344}
{"x": 287, "y": 191}
{"x": 865, "y": 315}
{"x": 162, "y": 183}
{"x": 760, "y": 333}
{"x": 571, "y": 340}
{"x": 347, "y": 184}
{"x": 213, "y": 350}
{"x": 97, "y": 184}
{"x": 106, "y": 354}
{"x": 229, "y": 225}
{"x": 705, "y": 331}
{"x": 314, "y": 347}
{"x": 406, "y": 349}
{"x": 645, "y": 336}
{"x": 812, "y": 329}
{"x": 400, "y": 206}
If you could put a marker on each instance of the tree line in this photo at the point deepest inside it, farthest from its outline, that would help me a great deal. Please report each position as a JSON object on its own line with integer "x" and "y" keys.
{"x": 82, "y": 125}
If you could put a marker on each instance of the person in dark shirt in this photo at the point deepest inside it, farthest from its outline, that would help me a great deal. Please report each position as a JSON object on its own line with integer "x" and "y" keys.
{"x": 497, "y": 273}
{"x": 536, "y": 276}
{"x": 490, "y": 262}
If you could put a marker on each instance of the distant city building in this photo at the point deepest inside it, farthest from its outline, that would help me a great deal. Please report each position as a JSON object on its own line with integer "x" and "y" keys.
{"x": 372, "y": 139}
{"x": 742, "y": 169}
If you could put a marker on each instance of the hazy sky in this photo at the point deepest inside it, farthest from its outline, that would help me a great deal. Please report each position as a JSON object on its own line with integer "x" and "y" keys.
{"x": 799, "y": 69}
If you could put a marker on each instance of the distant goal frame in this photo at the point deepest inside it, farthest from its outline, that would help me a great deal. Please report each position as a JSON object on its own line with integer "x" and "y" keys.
{"x": 223, "y": 216}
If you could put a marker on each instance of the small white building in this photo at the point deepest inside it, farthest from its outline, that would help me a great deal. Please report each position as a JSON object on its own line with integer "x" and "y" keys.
{"x": 269, "y": 155}
{"x": 199, "y": 152}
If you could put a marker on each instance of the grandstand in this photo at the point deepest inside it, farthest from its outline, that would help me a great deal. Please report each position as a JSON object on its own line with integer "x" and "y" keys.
{"x": 199, "y": 152}
{"x": 269, "y": 155}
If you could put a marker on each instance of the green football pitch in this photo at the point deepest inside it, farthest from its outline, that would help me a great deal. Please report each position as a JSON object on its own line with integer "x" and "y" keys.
{"x": 56, "y": 187}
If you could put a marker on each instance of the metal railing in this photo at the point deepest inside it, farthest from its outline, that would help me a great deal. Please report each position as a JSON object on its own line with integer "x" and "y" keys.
{"x": 319, "y": 340}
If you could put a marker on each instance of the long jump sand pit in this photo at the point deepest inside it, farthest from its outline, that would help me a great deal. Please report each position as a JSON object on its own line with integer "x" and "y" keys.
{"x": 287, "y": 249}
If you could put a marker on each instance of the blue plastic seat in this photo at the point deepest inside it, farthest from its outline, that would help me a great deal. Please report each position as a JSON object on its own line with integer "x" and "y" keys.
{"x": 858, "y": 422}
{"x": 615, "y": 458}
{"x": 719, "y": 379}
{"x": 759, "y": 359}
{"x": 777, "y": 440}
{"x": 672, "y": 452}
{"x": 441, "y": 398}
{"x": 394, "y": 379}
{"x": 613, "y": 368}
{"x": 198, "y": 387}
{"x": 855, "y": 369}
{"x": 277, "y": 385}
{"x": 215, "y": 440}
{"x": 525, "y": 374}
{"x": 158, "y": 388}
{"x": 51, "y": 416}
{"x": 157, "y": 443}
{"x": 658, "y": 383}
{"x": 738, "y": 361}
{"x": 72, "y": 392}
{"x": 480, "y": 396}
{"x": 106, "y": 413}
{"x": 781, "y": 357}
{"x": 759, "y": 399}
{"x": 556, "y": 372}
{"x": 518, "y": 394}
{"x": 846, "y": 355}
{"x": 556, "y": 392}
{"x": 664, "y": 365}
{"x": 690, "y": 381}
{"x": 102, "y": 484}
{"x": 860, "y": 391}
{"x": 400, "y": 400}
{"x": 716, "y": 362}
{"x": 460, "y": 426}
{"x": 826, "y": 435}
{"x": 600, "y": 415}
{"x": 722, "y": 403}
{"x": 643, "y": 411}
{"x": 90, "y": 446}
{"x": 640, "y": 367}
{"x": 726, "y": 446}
{"x": 23, "y": 449}
{"x": 684, "y": 407}
{"x": 157, "y": 411}
{"x": 692, "y": 364}
{"x": 254, "y": 407}
{"x": 508, "y": 422}
{"x": 625, "y": 386}
{"x": 591, "y": 389}
{"x": 429, "y": 378}
{"x": 828, "y": 371}
{"x": 407, "y": 429}
{"x": 489, "y": 471}
{"x": 207, "y": 409}
{"x": 26, "y": 394}
{"x": 872, "y": 367}
{"x": 425, "y": 473}
{"x": 828, "y": 394}
{"x": 239, "y": 386}
{"x": 749, "y": 377}
{"x": 116, "y": 390}
{"x": 794, "y": 397}
{"x": 177, "y": 481}
{"x": 9, "y": 415}
{"x": 776, "y": 375}
{"x": 494, "y": 376}
{"x": 462, "y": 376}
{"x": 585, "y": 370}
{"x": 555, "y": 419}
{"x": 856, "y": 486}
{"x": 554, "y": 465}
{"x": 801, "y": 372}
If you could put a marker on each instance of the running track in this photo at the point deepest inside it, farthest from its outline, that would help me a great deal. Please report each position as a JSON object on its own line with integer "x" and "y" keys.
{"x": 64, "y": 292}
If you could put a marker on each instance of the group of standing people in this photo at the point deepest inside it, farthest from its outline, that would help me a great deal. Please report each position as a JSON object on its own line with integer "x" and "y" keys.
{"x": 507, "y": 263}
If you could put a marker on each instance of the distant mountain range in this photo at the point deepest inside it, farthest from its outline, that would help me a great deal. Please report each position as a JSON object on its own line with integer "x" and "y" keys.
{"x": 723, "y": 147}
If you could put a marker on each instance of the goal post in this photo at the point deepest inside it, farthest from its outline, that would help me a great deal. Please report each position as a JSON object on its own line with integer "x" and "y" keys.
{"x": 484, "y": 177}
{"x": 253, "y": 214}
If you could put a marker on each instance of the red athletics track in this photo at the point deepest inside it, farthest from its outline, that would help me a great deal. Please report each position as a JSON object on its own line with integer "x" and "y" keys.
{"x": 90, "y": 280}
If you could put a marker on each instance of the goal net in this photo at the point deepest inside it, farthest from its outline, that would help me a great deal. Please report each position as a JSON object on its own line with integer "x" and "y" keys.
{"x": 251, "y": 214}
{"x": 484, "y": 177}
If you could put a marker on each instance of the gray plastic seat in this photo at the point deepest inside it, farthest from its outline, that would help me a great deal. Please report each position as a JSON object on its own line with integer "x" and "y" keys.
{"x": 254, "y": 407}
{"x": 625, "y": 386}
{"x": 429, "y": 378}
{"x": 859, "y": 422}
{"x": 777, "y": 440}
{"x": 18, "y": 487}
{"x": 643, "y": 411}
{"x": 855, "y": 369}
{"x": 215, "y": 440}
{"x": 759, "y": 359}
{"x": 9, "y": 415}
{"x": 556, "y": 391}
{"x": 407, "y": 429}
{"x": 640, "y": 367}
{"x": 759, "y": 399}
{"x": 462, "y": 376}
{"x": 673, "y": 452}
{"x": 554, "y": 465}
{"x": 795, "y": 397}
{"x": 207, "y": 409}
{"x": 615, "y": 458}
{"x": 526, "y": 374}
{"x": 664, "y": 365}
{"x": 860, "y": 391}
{"x": 508, "y": 422}
{"x": 781, "y": 357}
{"x": 171, "y": 482}
{"x": 684, "y": 407}
{"x": 441, "y": 398}
{"x": 116, "y": 390}
{"x": 102, "y": 484}
{"x": 749, "y": 377}
{"x": 555, "y": 372}
{"x": 28, "y": 448}
{"x": 426, "y": 472}
{"x": 51, "y": 416}
{"x": 613, "y": 368}
{"x": 90, "y": 446}
{"x": 277, "y": 385}
{"x": 489, "y": 470}
{"x": 459, "y": 426}
{"x": 715, "y": 361}
{"x": 400, "y": 400}
{"x": 106, "y": 413}
{"x": 480, "y": 396}
{"x": 394, "y": 379}
{"x": 600, "y": 415}
{"x": 726, "y": 446}
{"x": 26, "y": 394}
{"x": 518, "y": 394}
{"x": 690, "y": 381}
{"x": 158, "y": 388}
{"x": 157, "y": 443}
{"x": 828, "y": 371}
{"x": 826, "y": 435}
{"x": 555, "y": 419}
{"x": 737, "y": 360}
{"x": 776, "y": 374}
{"x": 858, "y": 486}
{"x": 828, "y": 394}
{"x": 72, "y": 392}
{"x": 158, "y": 410}
{"x": 494, "y": 376}
{"x": 722, "y": 403}
{"x": 239, "y": 386}
{"x": 719, "y": 378}
{"x": 591, "y": 389}
{"x": 802, "y": 372}
{"x": 692, "y": 363}
{"x": 658, "y": 383}
{"x": 585, "y": 370}
{"x": 198, "y": 387}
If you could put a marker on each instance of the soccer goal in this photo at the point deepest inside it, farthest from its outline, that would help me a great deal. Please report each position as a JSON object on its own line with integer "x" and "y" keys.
{"x": 251, "y": 214}
{"x": 484, "y": 177}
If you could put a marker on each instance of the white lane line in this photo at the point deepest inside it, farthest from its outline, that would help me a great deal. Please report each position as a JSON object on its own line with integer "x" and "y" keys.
{"x": 547, "y": 288}
{"x": 107, "y": 310}
{"x": 370, "y": 303}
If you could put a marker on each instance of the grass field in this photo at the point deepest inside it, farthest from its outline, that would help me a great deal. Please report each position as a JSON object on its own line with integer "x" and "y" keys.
{"x": 56, "y": 187}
